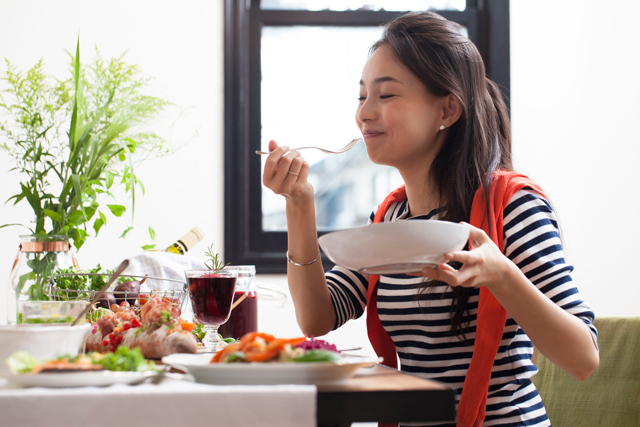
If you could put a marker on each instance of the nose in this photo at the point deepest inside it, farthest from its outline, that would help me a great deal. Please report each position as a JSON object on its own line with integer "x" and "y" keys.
{"x": 366, "y": 111}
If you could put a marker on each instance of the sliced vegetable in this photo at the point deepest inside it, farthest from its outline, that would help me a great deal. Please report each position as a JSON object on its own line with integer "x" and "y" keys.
{"x": 22, "y": 362}
{"x": 317, "y": 356}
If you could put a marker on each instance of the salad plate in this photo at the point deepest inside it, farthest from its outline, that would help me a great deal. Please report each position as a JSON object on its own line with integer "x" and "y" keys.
{"x": 78, "y": 379}
{"x": 394, "y": 247}
{"x": 268, "y": 373}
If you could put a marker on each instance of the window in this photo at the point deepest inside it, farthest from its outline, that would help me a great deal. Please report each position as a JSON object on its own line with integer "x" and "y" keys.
{"x": 273, "y": 50}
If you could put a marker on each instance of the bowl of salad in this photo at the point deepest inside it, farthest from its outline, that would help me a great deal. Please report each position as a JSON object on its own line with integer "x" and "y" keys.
{"x": 260, "y": 358}
{"x": 42, "y": 341}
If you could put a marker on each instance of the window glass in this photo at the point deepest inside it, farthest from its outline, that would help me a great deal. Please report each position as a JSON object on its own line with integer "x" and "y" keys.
{"x": 341, "y": 5}
{"x": 309, "y": 95}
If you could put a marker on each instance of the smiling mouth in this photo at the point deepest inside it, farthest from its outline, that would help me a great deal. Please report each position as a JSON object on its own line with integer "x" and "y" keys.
{"x": 367, "y": 135}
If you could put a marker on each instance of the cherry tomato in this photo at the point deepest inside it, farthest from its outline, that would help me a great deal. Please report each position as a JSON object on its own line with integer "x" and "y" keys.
{"x": 143, "y": 298}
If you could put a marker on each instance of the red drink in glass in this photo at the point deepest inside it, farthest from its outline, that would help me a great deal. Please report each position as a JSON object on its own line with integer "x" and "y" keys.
{"x": 211, "y": 297}
{"x": 243, "y": 319}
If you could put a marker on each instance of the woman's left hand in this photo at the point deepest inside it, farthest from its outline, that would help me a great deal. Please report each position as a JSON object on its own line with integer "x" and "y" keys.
{"x": 483, "y": 264}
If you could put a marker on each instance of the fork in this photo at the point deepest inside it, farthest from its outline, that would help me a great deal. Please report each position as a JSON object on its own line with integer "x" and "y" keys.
{"x": 347, "y": 147}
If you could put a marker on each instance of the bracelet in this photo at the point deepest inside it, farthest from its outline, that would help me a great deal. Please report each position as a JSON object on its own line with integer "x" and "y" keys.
{"x": 290, "y": 261}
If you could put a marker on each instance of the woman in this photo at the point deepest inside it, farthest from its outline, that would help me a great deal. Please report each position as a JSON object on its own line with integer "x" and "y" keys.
{"x": 427, "y": 108}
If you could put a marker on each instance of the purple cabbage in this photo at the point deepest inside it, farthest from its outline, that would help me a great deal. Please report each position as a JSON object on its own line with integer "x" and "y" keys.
{"x": 316, "y": 344}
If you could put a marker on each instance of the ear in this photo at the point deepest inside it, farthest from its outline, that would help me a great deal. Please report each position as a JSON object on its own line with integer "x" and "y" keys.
{"x": 451, "y": 110}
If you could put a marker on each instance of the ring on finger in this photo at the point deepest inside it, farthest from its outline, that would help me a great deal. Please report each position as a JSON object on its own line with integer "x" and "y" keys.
{"x": 293, "y": 173}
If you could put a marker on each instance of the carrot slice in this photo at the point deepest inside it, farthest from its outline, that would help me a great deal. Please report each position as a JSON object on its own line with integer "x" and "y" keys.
{"x": 221, "y": 356}
{"x": 188, "y": 326}
{"x": 273, "y": 349}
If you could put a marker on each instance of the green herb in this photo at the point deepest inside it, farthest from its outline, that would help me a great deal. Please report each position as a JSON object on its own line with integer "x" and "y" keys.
{"x": 229, "y": 340}
{"x": 65, "y": 319}
{"x": 97, "y": 282}
{"x": 238, "y": 356}
{"x": 318, "y": 356}
{"x": 199, "y": 332}
{"x": 215, "y": 260}
{"x": 124, "y": 359}
{"x": 166, "y": 316}
{"x": 94, "y": 315}
{"x": 22, "y": 362}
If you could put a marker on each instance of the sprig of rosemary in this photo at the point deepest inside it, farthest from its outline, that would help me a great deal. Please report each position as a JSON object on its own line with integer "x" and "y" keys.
{"x": 216, "y": 261}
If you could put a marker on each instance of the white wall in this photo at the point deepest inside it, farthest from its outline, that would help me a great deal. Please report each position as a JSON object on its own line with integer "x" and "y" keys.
{"x": 574, "y": 101}
{"x": 575, "y": 88}
{"x": 179, "y": 45}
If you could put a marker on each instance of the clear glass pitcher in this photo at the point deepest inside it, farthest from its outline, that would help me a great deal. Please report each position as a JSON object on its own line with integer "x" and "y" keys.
{"x": 39, "y": 256}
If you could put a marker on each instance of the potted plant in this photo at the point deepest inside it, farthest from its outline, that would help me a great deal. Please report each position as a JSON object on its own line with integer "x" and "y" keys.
{"x": 73, "y": 141}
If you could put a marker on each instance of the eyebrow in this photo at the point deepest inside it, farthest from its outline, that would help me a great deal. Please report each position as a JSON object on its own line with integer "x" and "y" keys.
{"x": 382, "y": 80}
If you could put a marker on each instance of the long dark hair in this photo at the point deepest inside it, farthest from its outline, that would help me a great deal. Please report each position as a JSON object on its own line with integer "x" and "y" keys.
{"x": 479, "y": 143}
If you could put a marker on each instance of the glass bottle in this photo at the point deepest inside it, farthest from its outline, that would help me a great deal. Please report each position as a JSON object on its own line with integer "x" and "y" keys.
{"x": 39, "y": 256}
{"x": 186, "y": 242}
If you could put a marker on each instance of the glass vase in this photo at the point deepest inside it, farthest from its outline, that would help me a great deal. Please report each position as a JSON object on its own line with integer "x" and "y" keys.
{"x": 39, "y": 256}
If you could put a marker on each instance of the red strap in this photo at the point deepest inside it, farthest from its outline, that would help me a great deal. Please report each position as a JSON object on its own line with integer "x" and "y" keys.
{"x": 491, "y": 316}
{"x": 378, "y": 336}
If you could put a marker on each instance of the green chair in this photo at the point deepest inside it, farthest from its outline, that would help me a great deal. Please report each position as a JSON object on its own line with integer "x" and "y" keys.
{"x": 611, "y": 395}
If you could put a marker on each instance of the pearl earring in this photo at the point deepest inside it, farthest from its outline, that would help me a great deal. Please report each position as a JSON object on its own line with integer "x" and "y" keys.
{"x": 442, "y": 127}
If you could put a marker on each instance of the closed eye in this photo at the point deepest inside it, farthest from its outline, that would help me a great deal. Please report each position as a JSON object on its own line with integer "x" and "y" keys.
{"x": 386, "y": 96}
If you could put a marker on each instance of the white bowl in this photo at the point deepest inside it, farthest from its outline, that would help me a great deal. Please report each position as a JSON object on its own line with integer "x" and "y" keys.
{"x": 394, "y": 247}
{"x": 42, "y": 342}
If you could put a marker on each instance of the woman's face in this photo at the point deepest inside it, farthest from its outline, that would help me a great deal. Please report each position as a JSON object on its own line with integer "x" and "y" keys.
{"x": 399, "y": 120}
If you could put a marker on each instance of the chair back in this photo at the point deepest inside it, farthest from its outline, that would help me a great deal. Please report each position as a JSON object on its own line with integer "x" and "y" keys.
{"x": 611, "y": 395}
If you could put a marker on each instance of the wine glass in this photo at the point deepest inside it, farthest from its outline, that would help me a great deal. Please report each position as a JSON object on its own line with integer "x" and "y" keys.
{"x": 211, "y": 293}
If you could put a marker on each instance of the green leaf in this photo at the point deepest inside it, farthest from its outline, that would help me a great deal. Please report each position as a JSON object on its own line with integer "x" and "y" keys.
{"x": 79, "y": 236}
{"x": 317, "y": 356}
{"x": 77, "y": 186}
{"x": 147, "y": 247}
{"x": 53, "y": 215}
{"x": 74, "y": 113}
{"x": 124, "y": 233}
{"x": 22, "y": 280}
{"x": 152, "y": 233}
{"x": 21, "y": 225}
{"x": 117, "y": 210}
{"x": 77, "y": 218}
{"x": 141, "y": 185}
{"x": 97, "y": 225}
{"x": 109, "y": 176}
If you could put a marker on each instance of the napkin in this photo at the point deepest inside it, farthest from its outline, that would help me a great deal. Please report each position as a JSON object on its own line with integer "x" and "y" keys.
{"x": 164, "y": 265}
{"x": 171, "y": 403}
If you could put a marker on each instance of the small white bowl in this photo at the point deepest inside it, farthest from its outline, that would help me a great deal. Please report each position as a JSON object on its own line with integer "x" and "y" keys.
{"x": 394, "y": 247}
{"x": 44, "y": 342}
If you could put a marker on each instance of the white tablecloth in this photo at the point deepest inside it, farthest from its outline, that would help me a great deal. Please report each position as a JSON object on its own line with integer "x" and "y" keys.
{"x": 171, "y": 403}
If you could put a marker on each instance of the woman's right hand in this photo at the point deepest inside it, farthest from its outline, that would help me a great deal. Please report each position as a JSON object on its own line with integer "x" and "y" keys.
{"x": 285, "y": 173}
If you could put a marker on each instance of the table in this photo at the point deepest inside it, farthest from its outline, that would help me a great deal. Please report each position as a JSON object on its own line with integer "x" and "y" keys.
{"x": 385, "y": 395}
{"x": 374, "y": 394}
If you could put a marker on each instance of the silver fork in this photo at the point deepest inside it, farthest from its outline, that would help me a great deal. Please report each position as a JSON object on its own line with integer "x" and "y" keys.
{"x": 347, "y": 147}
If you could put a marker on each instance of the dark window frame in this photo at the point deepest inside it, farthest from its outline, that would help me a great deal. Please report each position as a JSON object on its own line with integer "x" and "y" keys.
{"x": 245, "y": 242}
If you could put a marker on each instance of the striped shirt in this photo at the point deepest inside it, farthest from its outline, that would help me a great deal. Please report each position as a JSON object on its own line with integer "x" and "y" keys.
{"x": 419, "y": 320}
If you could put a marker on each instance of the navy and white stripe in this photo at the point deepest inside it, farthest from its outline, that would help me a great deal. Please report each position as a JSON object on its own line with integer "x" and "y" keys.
{"x": 418, "y": 319}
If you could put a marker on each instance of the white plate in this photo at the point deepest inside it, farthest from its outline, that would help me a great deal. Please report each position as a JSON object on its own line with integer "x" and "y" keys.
{"x": 394, "y": 247}
{"x": 77, "y": 379}
{"x": 267, "y": 373}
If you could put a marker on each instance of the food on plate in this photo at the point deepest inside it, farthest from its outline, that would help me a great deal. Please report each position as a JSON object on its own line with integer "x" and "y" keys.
{"x": 123, "y": 359}
{"x": 158, "y": 331}
{"x": 262, "y": 347}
